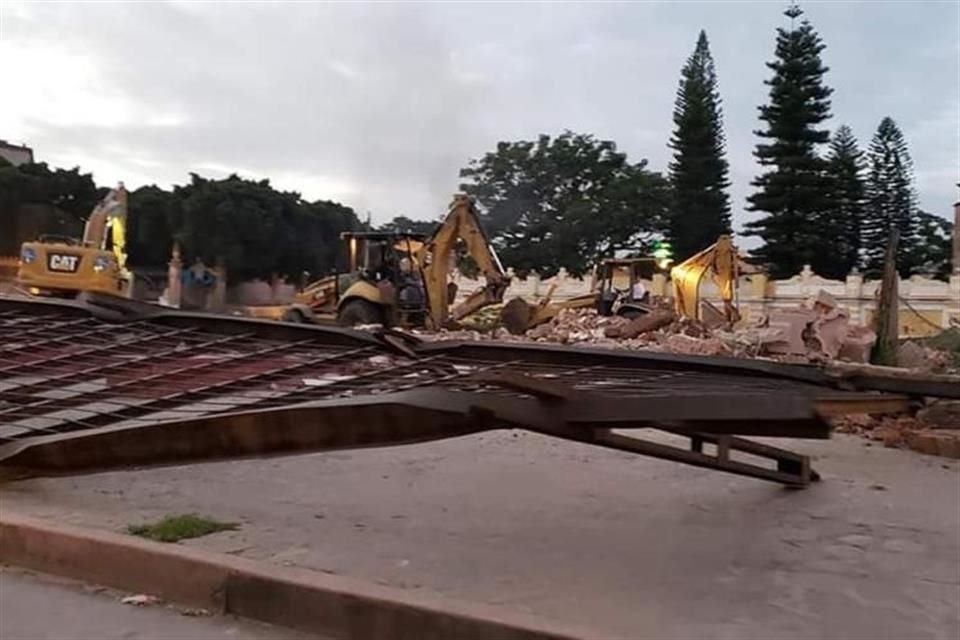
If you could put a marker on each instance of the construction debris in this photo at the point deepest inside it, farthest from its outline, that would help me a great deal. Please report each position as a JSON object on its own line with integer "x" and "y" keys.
{"x": 816, "y": 331}
{"x": 650, "y": 322}
{"x": 935, "y": 430}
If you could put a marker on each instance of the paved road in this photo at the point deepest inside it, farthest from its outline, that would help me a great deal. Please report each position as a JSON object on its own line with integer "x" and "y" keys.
{"x": 35, "y": 607}
{"x": 629, "y": 545}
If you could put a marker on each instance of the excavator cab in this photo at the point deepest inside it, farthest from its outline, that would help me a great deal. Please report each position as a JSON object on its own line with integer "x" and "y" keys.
{"x": 382, "y": 283}
{"x": 618, "y": 283}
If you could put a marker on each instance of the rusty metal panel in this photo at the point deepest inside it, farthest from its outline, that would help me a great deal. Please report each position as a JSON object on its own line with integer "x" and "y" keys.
{"x": 96, "y": 385}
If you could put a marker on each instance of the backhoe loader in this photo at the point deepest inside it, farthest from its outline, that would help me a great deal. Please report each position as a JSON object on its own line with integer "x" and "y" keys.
{"x": 61, "y": 266}
{"x": 615, "y": 289}
{"x": 720, "y": 261}
{"x": 403, "y": 279}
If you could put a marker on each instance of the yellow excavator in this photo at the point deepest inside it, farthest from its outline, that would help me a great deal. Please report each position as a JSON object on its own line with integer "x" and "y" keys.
{"x": 614, "y": 289}
{"x": 62, "y": 266}
{"x": 403, "y": 279}
{"x": 721, "y": 262}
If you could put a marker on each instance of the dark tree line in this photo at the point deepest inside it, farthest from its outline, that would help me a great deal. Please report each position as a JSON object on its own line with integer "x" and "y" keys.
{"x": 35, "y": 200}
{"x": 248, "y": 226}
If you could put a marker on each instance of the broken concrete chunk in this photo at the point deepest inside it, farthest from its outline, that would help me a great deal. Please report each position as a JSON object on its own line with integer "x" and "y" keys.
{"x": 911, "y": 355}
{"x": 829, "y": 333}
{"x": 791, "y": 324}
{"x": 650, "y": 322}
{"x": 943, "y": 414}
{"x": 823, "y": 302}
{"x": 857, "y": 345}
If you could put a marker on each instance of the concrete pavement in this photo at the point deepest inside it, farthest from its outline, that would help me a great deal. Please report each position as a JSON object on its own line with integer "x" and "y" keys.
{"x": 641, "y": 547}
{"x": 38, "y": 607}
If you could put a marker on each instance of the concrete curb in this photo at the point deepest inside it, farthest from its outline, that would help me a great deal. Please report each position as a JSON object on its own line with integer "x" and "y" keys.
{"x": 315, "y": 602}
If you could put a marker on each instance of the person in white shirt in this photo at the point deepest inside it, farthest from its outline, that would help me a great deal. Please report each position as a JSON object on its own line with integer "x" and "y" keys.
{"x": 639, "y": 291}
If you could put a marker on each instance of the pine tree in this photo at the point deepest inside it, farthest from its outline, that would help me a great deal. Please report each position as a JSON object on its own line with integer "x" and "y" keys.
{"x": 891, "y": 201}
{"x": 794, "y": 192}
{"x": 698, "y": 173}
{"x": 840, "y": 225}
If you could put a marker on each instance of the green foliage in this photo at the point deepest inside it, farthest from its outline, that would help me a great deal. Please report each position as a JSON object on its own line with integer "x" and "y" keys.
{"x": 404, "y": 224}
{"x": 246, "y": 225}
{"x": 255, "y": 230}
{"x": 564, "y": 201}
{"x": 176, "y": 528}
{"x": 152, "y": 216}
{"x": 891, "y": 202}
{"x": 840, "y": 225}
{"x": 698, "y": 173}
{"x": 795, "y": 191}
{"x": 35, "y": 199}
{"x": 933, "y": 249}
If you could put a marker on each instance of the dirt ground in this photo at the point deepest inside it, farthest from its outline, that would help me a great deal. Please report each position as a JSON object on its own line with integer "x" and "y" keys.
{"x": 631, "y": 546}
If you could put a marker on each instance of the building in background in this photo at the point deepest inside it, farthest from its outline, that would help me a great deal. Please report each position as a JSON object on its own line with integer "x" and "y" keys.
{"x": 15, "y": 154}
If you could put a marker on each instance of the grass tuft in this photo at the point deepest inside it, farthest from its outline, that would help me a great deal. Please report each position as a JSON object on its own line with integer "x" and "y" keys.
{"x": 176, "y": 528}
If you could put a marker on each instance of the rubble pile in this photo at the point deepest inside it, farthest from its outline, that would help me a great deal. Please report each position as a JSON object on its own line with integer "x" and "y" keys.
{"x": 816, "y": 331}
{"x": 935, "y": 430}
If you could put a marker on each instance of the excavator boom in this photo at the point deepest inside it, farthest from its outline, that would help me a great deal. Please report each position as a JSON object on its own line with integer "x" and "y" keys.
{"x": 435, "y": 260}
{"x": 720, "y": 260}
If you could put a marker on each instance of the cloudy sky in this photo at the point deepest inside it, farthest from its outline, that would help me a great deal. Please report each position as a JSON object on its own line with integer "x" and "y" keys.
{"x": 379, "y": 105}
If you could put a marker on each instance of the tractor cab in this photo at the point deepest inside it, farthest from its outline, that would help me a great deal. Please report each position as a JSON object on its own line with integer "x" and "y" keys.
{"x": 619, "y": 285}
{"x": 381, "y": 281}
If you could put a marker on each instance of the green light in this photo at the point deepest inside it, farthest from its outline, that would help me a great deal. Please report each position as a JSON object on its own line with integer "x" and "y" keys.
{"x": 662, "y": 250}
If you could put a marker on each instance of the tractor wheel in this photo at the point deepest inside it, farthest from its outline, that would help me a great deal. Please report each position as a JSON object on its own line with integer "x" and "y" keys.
{"x": 294, "y": 315}
{"x": 359, "y": 312}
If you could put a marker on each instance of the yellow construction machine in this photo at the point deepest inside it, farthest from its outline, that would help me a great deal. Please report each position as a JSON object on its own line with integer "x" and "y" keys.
{"x": 62, "y": 266}
{"x": 617, "y": 289}
{"x": 403, "y": 279}
{"x": 723, "y": 264}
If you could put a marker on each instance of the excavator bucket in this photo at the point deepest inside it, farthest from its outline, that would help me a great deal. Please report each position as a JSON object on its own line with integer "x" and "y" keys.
{"x": 516, "y": 315}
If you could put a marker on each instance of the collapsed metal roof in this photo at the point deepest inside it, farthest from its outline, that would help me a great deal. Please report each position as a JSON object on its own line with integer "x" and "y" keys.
{"x": 108, "y": 384}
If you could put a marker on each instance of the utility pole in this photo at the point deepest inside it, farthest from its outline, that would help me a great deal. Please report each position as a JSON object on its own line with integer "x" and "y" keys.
{"x": 956, "y": 236}
{"x": 886, "y": 320}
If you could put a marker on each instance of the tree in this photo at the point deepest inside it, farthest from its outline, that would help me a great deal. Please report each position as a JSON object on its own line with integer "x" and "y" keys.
{"x": 565, "y": 201}
{"x": 257, "y": 231}
{"x": 403, "y": 223}
{"x": 152, "y": 216}
{"x": 934, "y": 245}
{"x": 36, "y": 200}
{"x": 698, "y": 173}
{"x": 794, "y": 192}
{"x": 318, "y": 229}
{"x": 891, "y": 201}
{"x": 841, "y": 223}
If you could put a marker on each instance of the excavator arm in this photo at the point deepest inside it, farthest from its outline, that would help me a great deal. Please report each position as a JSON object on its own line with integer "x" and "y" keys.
{"x": 720, "y": 260}
{"x": 436, "y": 256}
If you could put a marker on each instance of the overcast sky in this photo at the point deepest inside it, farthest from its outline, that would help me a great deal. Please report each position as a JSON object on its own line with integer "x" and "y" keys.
{"x": 380, "y": 105}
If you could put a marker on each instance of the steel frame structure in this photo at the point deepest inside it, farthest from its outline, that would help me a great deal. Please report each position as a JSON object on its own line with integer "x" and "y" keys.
{"x": 105, "y": 384}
